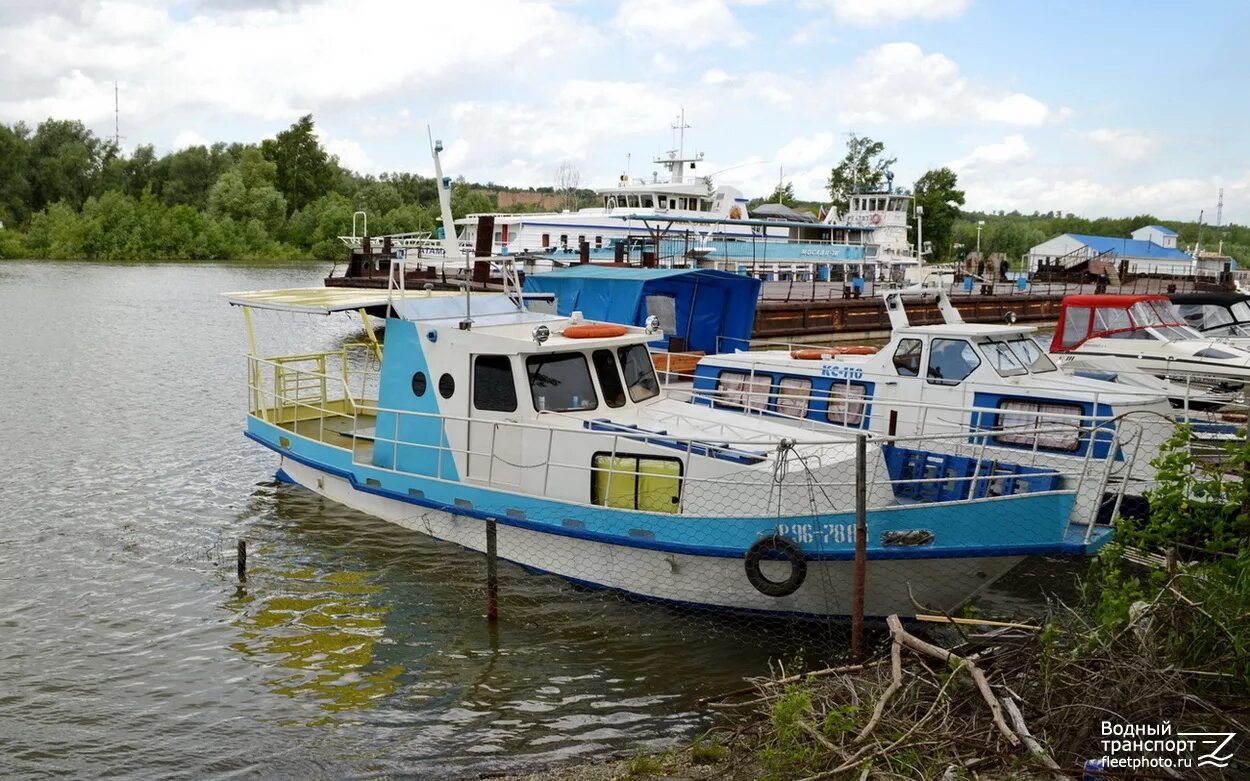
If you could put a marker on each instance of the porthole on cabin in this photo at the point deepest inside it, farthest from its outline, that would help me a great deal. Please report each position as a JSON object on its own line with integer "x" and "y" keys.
{"x": 951, "y": 361}
{"x": 743, "y": 391}
{"x": 792, "y": 396}
{"x": 493, "y": 387}
{"x": 418, "y": 384}
{"x": 633, "y": 482}
{"x": 845, "y": 406}
{"x": 907, "y": 358}
{"x": 1047, "y": 426}
{"x": 446, "y": 386}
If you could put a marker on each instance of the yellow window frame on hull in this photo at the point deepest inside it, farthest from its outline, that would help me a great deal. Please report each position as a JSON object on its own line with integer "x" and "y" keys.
{"x": 636, "y": 482}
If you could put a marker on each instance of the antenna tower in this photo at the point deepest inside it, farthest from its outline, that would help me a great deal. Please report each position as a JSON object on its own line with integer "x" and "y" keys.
{"x": 1219, "y": 210}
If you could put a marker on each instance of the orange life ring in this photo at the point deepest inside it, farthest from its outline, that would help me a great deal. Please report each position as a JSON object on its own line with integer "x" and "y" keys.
{"x": 599, "y": 331}
{"x": 876, "y": 219}
{"x": 815, "y": 354}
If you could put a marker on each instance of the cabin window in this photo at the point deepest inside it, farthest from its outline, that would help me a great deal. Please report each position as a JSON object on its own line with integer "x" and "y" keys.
{"x": 493, "y": 387}
{"x": 1112, "y": 320}
{"x": 792, "y": 396}
{"x": 546, "y": 240}
{"x": 418, "y": 384}
{"x": 647, "y": 202}
{"x": 598, "y": 242}
{"x": 664, "y": 307}
{"x": 951, "y": 361}
{"x": 1211, "y": 352}
{"x": 745, "y": 391}
{"x": 446, "y": 386}
{"x": 609, "y": 378}
{"x": 560, "y": 382}
{"x": 1075, "y": 326}
{"x": 635, "y": 482}
{"x": 564, "y": 240}
{"x": 1040, "y": 424}
{"x": 581, "y": 240}
{"x": 845, "y": 405}
{"x": 907, "y": 358}
{"x": 1031, "y": 355}
{"x": 1003, "y": 359}
{"x": 639, "y": 372}
{"x": 663, "y": 201}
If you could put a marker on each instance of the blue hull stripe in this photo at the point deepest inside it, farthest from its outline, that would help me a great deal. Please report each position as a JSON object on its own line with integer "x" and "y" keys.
{"x": 1059, "y": 547}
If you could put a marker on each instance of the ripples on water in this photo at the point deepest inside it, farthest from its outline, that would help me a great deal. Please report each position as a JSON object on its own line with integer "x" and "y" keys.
{"x": 354, "y": 648}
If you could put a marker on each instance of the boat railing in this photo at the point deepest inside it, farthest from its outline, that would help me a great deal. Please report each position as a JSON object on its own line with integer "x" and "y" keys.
{"x": 527, "y": 456}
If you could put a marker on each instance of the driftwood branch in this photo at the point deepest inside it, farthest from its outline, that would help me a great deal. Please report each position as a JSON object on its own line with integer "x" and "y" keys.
{"x": 896, "y": 682}
{"x": 1035, "y": 748}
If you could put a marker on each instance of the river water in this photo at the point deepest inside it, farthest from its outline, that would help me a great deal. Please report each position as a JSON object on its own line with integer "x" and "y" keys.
{"x": 354, "y": 649}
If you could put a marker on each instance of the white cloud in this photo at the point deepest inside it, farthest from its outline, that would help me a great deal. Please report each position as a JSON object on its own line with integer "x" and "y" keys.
{"x": 350, "y": 154}
{"x": 898, "y": 82}
{"x": 805, "y": 150}
{"x": 268, "y": 63}
{"x": 188, "y": 138}
{"x": 874, "y": 13}
{"x": 690, "y": 24}
{"x": 1012, "y": 149}
{"x": 1121, "y": 143}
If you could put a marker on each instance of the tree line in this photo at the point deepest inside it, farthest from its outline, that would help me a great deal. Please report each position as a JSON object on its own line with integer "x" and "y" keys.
{"x": 67, "y": 193}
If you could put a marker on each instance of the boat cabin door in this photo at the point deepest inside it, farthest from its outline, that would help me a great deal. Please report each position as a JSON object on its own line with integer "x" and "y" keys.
{"x": 944, "y": 396}
{"x": 495, "y": 441}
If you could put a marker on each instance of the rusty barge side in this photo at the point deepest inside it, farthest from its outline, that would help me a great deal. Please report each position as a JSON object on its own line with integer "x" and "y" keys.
{"x": 775, "y": 319}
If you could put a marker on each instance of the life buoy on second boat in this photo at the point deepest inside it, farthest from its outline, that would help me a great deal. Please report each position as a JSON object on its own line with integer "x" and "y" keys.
{"x": 876, "y": 219}
{"x": 790, "y": 551}
{"x": 816, "y": 353}
{"x": 594, "y": 331}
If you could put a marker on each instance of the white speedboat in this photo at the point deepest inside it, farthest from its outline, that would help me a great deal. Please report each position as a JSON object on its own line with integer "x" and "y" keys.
{"x": 1144, "y": 333}
{"x": 989, "y": 390}
{"x": 1223, "y": 316}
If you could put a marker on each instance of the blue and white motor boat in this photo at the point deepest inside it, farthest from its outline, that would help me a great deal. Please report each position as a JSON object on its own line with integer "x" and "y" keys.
{"x": 557, "y": 431}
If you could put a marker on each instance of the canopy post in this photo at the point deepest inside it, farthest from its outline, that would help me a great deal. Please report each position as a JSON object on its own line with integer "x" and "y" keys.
{"x": 370, "y": 334}
{"x": 258, "y": 398}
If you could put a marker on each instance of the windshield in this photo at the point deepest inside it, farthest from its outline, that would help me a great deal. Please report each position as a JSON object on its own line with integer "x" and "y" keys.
{"x": 1002, "y": 358}
{"x": 1153, "y": 313}
{"x": 639, "y": 372}
{"x": 1241, "y": 311}
{"x": 1031, "y": 355}
{"x": 560, "y": 382}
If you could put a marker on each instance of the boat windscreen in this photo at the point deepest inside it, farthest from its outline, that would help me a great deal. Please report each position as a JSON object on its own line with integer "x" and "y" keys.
{"x": 1002, "y": 358}
{"x": 1031, "y": 355}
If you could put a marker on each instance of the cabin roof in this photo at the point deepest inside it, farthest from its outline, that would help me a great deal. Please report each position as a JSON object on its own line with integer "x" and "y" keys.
{"x": 1218, "y": 299}
{"x": 325, "y": 300}
{"x": 1109, "y": 300}
{"x": 723, "y": 220}
{"x": 968, "y": 329}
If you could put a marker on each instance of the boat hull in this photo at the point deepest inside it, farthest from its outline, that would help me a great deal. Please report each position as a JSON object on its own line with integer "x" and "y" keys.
{"x": 715, "y": 582}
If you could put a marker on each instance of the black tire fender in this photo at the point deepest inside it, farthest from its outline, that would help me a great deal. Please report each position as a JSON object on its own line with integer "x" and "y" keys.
{"x": 790, "y": 551}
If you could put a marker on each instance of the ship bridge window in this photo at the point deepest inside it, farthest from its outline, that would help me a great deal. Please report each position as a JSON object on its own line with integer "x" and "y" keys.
{"x": 639, "y": 372}
{"x": 647, "y": 202}
{"x": 1043, "y": 425}
{"x": 1075, "y": 325}
{"x": 560, "y": 382}
{"x": 493, "y": 388}
{"x": 907, "y": 358}
{"x": 609, "y": 378}
{"x": 951, "y": 361}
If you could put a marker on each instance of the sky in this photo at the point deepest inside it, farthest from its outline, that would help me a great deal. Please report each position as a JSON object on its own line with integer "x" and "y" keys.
{"x": 1100, "y": 107}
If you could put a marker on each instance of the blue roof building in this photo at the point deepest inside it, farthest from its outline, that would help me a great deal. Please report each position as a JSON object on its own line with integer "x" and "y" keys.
{"x": 1151, "y": 250}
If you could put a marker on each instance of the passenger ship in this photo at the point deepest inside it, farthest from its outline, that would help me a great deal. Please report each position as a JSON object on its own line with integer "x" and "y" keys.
{"x": 556, "y": 431}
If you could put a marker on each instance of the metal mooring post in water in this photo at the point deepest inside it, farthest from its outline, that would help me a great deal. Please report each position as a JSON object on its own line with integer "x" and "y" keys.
{"x": 242, "y": 568}
{"x": 861, "y": 548}
{"x": 492, "y": 572}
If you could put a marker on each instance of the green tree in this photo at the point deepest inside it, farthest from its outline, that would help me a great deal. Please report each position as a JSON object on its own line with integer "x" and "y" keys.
{"x": 863, "y": 169}
{"x": 305, "y": 171}
{"x": 186, "y": 176}
{"x": 937, "y": 194}
{"x": 14, "y": 174}
{"x": 65, "y": 163}
{"x": 783, "y": 194}
{"x": 244, "y": 194}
